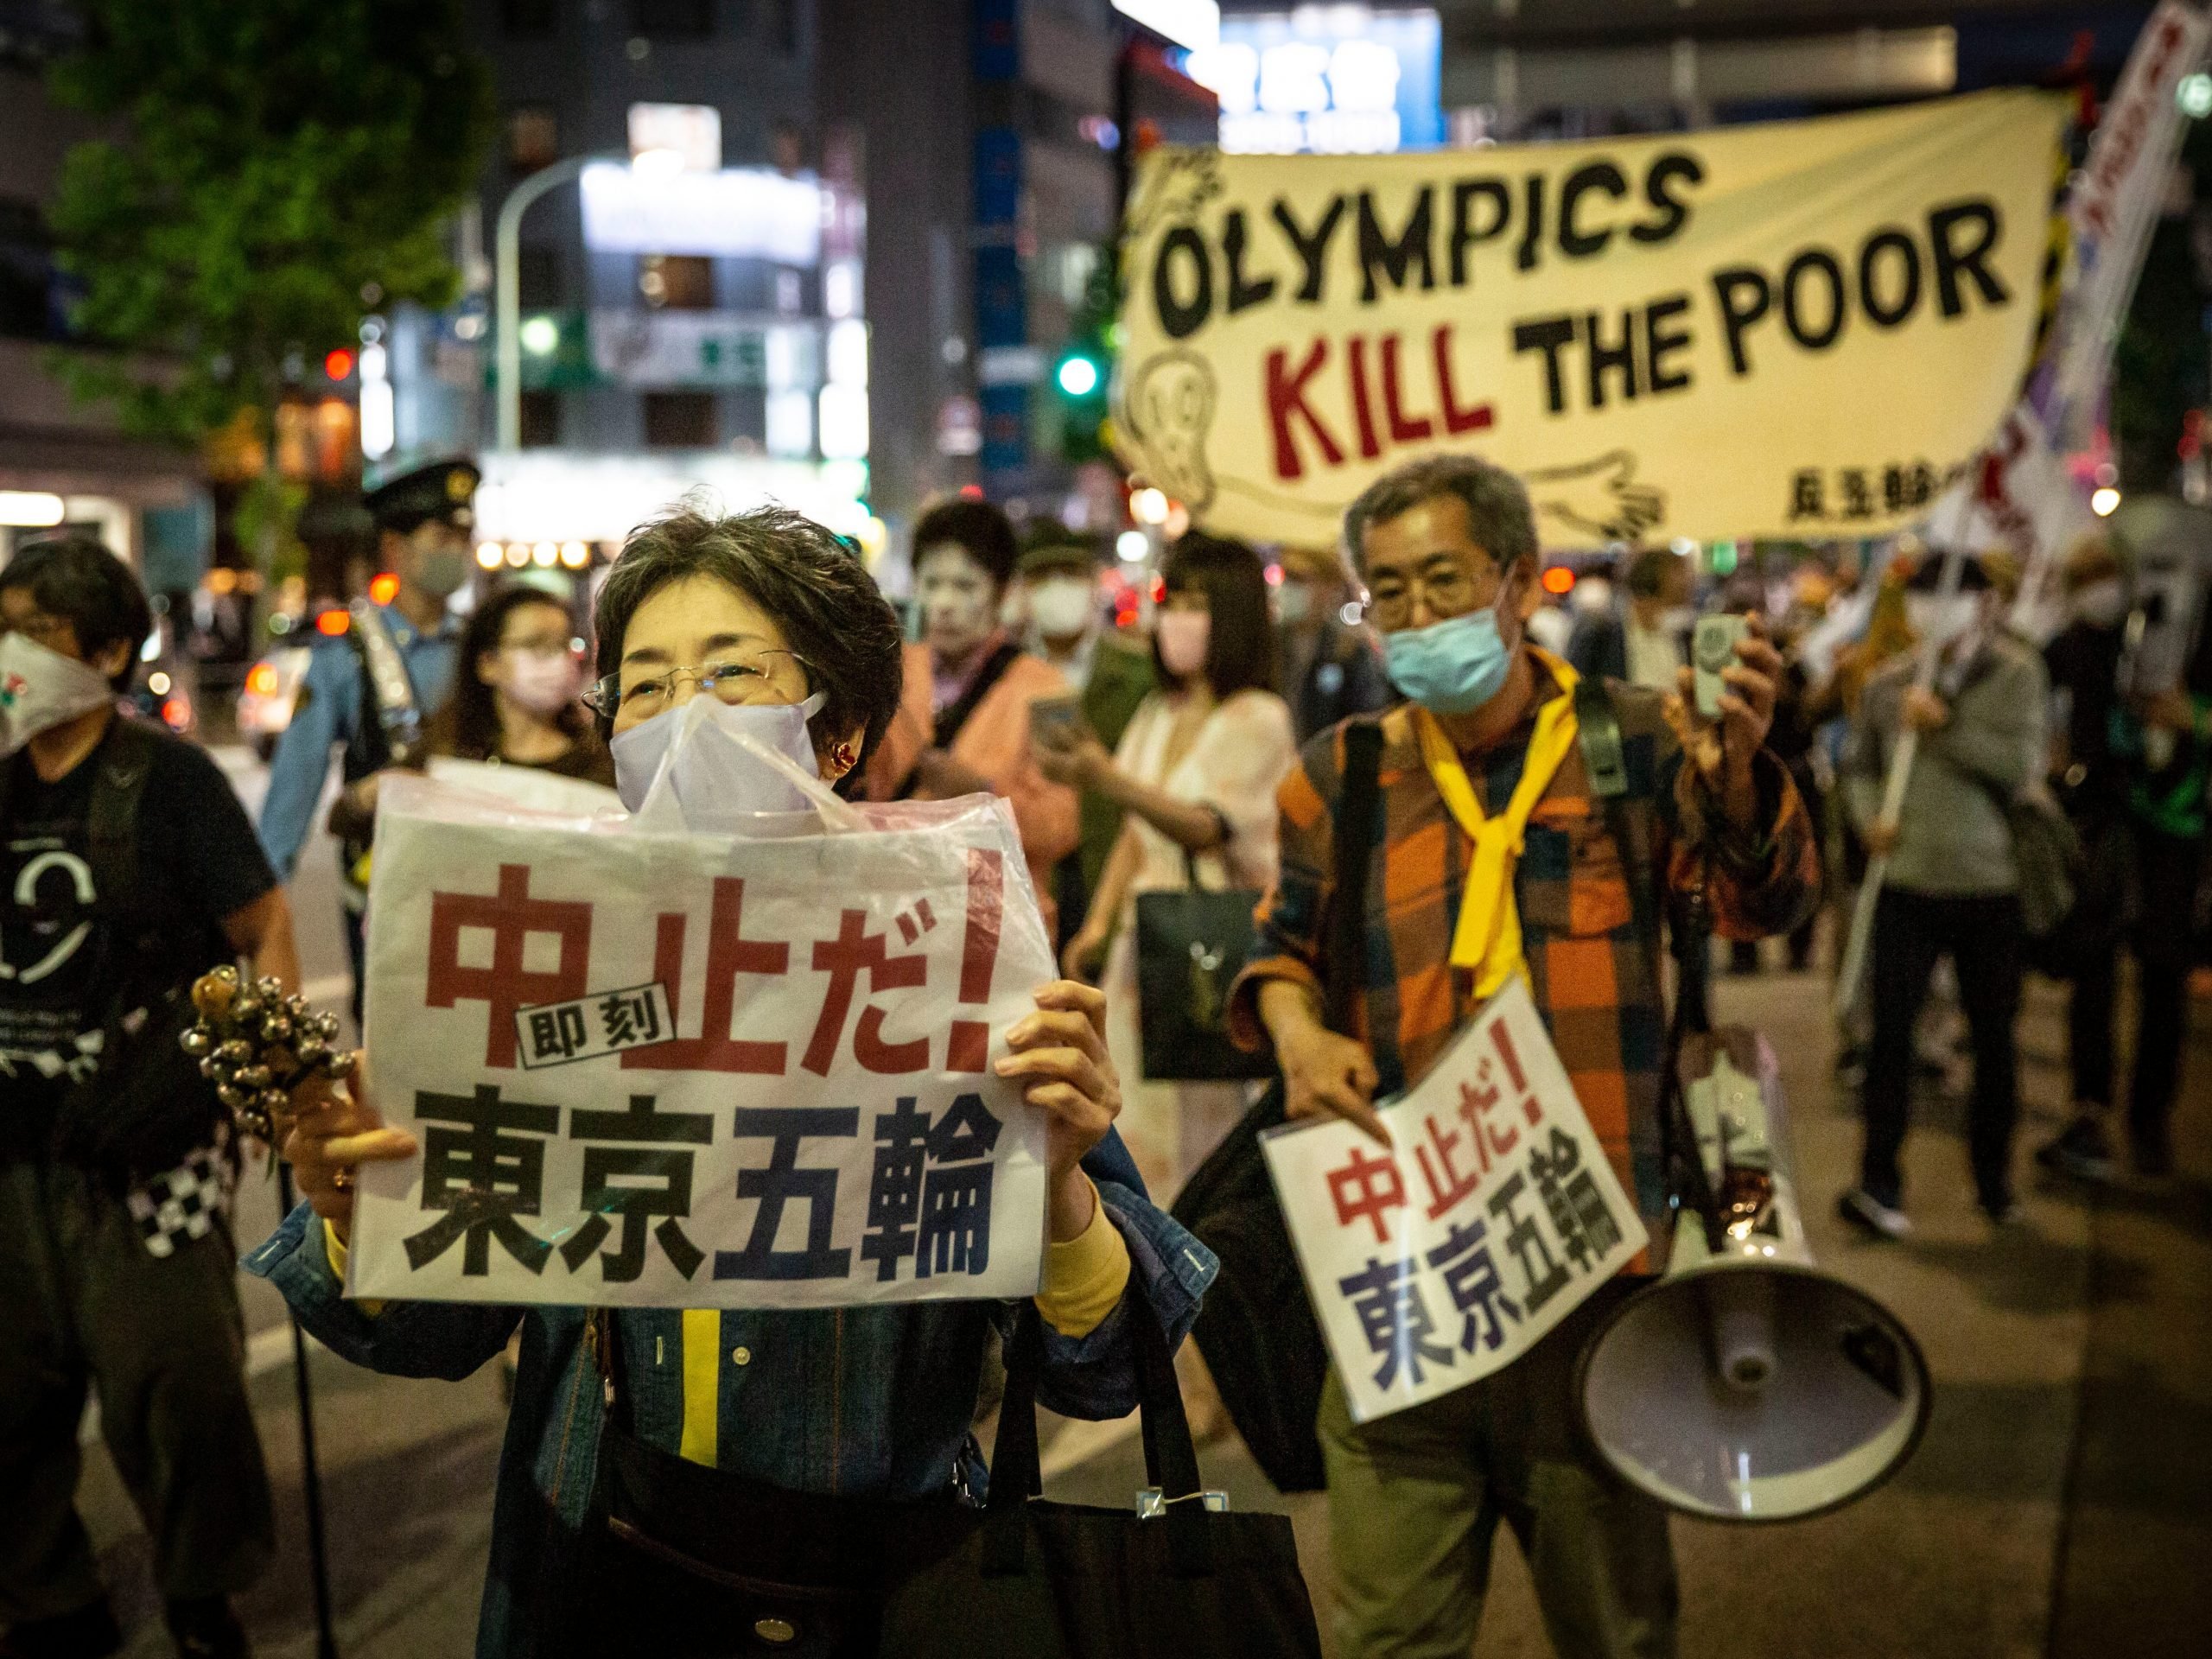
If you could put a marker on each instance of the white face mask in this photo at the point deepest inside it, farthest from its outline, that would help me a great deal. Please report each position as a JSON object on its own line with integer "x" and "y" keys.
{"x": 1677, "y": 618}
{"x": 709, "y": 774}
{"x": 39, "y": 689}
{"x": 543, "y": 682}
{"x": 1060, "y": 607}
{"x": 2102, "y": 604}
{"x": 1934, "y": 617}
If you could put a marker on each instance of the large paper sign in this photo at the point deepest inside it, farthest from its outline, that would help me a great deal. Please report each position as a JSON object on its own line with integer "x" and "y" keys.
{"x": 1797, "y": 329}
{"x": 699, "y": 1070}
{"x": 1491, "y": 1216}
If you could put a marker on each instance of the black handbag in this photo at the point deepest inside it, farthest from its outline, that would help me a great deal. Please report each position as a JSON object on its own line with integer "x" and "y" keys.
{"x": 1190, "y": 946}
{"x": 1176, "y": 1575}
{"x": 684, "y": 1562}
{"x": 1256, "y": 1329}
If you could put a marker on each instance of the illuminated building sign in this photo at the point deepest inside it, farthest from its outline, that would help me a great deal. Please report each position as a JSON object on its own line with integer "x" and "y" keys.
{"x": 683, "y": 137}
{"x": 737, "y": 213}
{"x": 1332, "y": 79}
{"x": 1187, "y": 22}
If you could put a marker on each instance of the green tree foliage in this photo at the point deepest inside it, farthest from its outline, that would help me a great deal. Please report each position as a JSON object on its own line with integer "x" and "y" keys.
{"x": 276, "y": 168}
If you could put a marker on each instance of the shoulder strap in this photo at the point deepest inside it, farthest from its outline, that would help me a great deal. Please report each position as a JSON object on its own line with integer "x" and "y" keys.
{"x": 399, "y": 717}
{"x": 1598, "y": 727}
{"x": 955, "y": 714}
{"x": 1354, "y": 846}
{"x": 127, "y": 756}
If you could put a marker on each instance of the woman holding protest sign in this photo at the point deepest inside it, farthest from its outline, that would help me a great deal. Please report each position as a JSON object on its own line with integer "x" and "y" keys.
{"x": 826, "y": 1435}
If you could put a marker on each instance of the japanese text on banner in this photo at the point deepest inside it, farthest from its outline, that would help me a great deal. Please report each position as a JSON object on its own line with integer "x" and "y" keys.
{"x": 699, "y": 1070}
{"x": 1443, "y": 1258}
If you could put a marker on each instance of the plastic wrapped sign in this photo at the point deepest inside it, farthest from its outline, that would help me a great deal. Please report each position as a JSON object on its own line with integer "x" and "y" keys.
{"x": 654, "y": 1069}
{"x": 1491, "y": 1216}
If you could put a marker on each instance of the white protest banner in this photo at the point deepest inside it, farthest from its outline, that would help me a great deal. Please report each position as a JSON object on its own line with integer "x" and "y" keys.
{"x": 656, "y": 1070}
{"x": 1491, "y": 1216}
{"x": 1793, "y": 329}
{"x": 2022, "y": 494}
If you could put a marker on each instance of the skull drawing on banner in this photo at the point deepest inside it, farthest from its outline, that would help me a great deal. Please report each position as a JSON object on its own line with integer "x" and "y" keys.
{"x": 1167, "y": 410}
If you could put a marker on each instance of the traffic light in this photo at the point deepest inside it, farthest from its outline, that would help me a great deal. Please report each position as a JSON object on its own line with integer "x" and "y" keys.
{"x": 1079, "y": 379}
{"x": 1078, "y": 375}
{"x": 1085, "y": 368}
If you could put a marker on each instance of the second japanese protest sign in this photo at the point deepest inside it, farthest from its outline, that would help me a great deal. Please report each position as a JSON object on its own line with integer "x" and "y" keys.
{"x": 1493, "y": 1213}
{"x": 698, "y": 1071}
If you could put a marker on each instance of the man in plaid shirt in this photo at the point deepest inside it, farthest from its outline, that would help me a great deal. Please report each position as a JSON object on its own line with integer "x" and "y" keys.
{"x": 1494, "y": 856}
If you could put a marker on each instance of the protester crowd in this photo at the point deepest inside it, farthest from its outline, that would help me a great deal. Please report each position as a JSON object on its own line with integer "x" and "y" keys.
{"x": 2054, "y": 820}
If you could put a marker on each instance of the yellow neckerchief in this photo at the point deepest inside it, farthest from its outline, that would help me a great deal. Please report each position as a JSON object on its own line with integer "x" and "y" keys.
{"x": 1487, "y": 936}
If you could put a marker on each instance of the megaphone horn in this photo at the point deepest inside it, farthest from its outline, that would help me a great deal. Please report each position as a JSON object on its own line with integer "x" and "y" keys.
{"x": 1747, "y": 1385}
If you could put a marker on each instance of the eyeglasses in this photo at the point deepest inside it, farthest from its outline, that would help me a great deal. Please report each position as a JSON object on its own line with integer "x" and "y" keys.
{"x": 738, "y": 679}
{"x": 1449, "y": 592}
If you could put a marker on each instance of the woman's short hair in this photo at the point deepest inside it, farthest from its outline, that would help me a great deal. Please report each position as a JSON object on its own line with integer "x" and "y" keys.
{"x": 75, "y": 578}
{"x": 468, "y": 724}
{"x": 1240, "y": 639}
{"x": 1499, "y": 514}
{"x": 986, "y": 533}
{"x": 812, "y": 583}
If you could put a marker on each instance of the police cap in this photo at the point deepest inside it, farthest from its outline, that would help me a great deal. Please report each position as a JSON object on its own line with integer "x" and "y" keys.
{"x": 411, "y": 496}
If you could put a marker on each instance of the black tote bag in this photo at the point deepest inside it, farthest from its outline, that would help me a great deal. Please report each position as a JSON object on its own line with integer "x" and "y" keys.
{"x": 1045, "y": 1580}
{"x": 1190, "y": 946}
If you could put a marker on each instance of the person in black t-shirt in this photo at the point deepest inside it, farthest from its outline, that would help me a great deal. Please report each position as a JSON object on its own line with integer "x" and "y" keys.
{"x": 99, "y": 1284}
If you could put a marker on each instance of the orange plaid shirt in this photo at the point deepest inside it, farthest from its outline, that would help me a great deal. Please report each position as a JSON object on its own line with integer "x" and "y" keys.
{"x": 1593, "y": 952}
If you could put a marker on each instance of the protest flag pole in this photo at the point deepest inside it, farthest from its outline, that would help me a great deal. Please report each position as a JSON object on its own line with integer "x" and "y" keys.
{"x": 326, "y": 1639}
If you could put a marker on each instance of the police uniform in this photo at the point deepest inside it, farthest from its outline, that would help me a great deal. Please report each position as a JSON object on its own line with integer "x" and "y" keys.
{"x": 337, "y": 702}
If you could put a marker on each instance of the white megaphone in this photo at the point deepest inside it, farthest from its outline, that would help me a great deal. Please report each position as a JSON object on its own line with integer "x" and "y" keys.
{"x": 1747, "y": 1385}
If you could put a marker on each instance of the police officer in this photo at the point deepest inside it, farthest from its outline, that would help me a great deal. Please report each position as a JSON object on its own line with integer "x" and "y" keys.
{"x": 373, "y": 687}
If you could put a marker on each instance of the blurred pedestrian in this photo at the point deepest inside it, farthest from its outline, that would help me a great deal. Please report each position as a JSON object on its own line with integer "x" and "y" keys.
{"x": 962, "y": 721}
{"x": 1447, "y": 548}
{"x": 1196, "y": 771}
{"x": 516, "y": 701}
{"x": 1328, "y": 669}
{"x": 1831, "y": 704}
{"x": 424, "y": 516}
{"x": 1647, "y": 641}
{"x": 1953, "y": 884}
{"x": 128, "y": 868}
{"x": 2137, "y": 787}
{"x": 1108, "y": 674}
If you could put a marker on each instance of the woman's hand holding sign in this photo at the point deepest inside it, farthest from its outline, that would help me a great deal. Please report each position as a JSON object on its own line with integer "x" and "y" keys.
{"x": 1058, "y": 1056}
{"x": 333, "y": 1127}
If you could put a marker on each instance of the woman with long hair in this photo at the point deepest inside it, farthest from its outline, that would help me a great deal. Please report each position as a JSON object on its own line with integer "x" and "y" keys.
{"x": 1196, "y": 771}
{"x": 516, "y": 700}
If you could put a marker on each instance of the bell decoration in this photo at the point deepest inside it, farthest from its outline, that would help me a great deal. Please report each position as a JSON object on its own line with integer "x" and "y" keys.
{"x": 257, "y": 1045}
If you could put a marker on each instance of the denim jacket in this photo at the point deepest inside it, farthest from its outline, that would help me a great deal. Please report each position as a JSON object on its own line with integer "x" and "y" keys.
{"x": 869, "y": 1401}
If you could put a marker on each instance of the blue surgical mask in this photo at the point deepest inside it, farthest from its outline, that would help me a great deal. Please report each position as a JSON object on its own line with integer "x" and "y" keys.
{"x": 1451, "y": 667}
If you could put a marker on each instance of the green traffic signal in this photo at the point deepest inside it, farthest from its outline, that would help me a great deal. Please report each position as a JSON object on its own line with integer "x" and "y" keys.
{"x": 1078, "y": 376}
